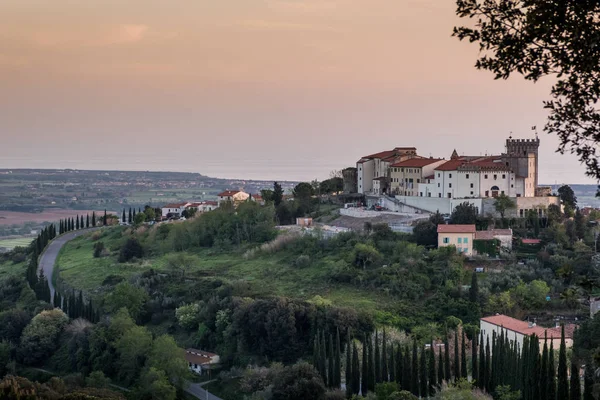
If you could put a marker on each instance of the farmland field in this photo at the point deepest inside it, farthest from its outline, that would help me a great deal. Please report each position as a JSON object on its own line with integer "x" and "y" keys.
{"x": 18, "y": 242}
{"x": 48, "y": 215}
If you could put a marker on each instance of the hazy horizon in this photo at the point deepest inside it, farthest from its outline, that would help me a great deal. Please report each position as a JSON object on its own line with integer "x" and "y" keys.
{"x": 269, "y": 89}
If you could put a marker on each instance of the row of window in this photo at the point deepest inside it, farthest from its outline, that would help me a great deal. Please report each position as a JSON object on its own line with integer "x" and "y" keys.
{"x": 408, "y": 170}
{"x": 467, "y": 176}
{"x": 460, "y": 240}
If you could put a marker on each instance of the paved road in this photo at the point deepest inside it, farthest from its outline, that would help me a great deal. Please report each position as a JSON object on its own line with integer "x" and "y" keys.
{"x": 49, "y": 256}
{"x": 195, "y": 389}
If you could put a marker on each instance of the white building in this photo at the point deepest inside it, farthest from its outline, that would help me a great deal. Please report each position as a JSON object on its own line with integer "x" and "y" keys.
{"x": 377, "y": 165}
{"x": 174, "y": 209}
{"x": 517, "y": 330}
{"x": 200, "y": 361}
{"x": 233, "y": 196}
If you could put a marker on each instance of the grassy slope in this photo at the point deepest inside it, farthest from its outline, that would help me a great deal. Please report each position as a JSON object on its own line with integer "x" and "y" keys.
{"x": 266, "y": 274}
{"x": 12, "y": 243}
{"x": 8, "y": 268}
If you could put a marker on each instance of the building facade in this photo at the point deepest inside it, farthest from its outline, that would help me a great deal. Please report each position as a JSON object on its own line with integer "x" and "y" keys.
{"x": 459, "y": 236}
{"x": 233, "y": 196}
{"x": 377, "y": 165}
{"x": 407, "y": 175}
{"x": 200, "y": 361}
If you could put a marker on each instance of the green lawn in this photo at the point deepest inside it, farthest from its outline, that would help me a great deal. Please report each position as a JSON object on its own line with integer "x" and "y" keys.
{"x": 270, "y": 274}
{"x": 12, "y": 243}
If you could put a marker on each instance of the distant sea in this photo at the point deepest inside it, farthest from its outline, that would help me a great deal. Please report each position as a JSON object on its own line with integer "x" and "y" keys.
{"x": 586, "y": 194}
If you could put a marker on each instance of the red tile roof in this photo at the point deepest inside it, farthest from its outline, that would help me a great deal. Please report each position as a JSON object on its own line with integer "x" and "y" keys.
{"x": 531, "y": 241}
{"x": 384, "y": 155}
{"x": 442, "y": 228}
{"x": 451, "y": 165}
{"x": 198, "y": 356}
{"x": 175, "y": 205}
{"x": 416, "y": 162}
{"x": 523, "y": 327}
{"x": 491, "y": 234}
{"x": 210, "y": 203}
{"x": 228, "y": 193}
{"x": 430, "y": 177}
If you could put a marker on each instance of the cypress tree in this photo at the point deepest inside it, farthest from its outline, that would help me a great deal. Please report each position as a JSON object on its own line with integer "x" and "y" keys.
{"x": 337, "y": 360}
{"x": 474, "y": 364}
{"x": 432, "y": 375}
{"x": 104, "y": 220}
{"x": 87, "y": 221}
{"x": 399, "y": 366}
{"x": 349, "y": 380}
{"x": 123, "y": 217}
{"x": 385, "y": 376}
{"x": 423, "y": 388}
{"x": 55, "y": 299}
{"x": 447, "y": 373}
{"x": 130, "y": 219}
{"x": 486, "y": 367}
{"x": 456, "y": 360}
{"x": 474, "y": 290}
{"x": 551, "y": 372}
{"x": 316, "y": 353}
{"x": 378, "y": 377}
{"x": 563, "y": 379}
{"x": 414, "y": 373}
{"x": 355, "y": 370}
{"x": 365, "y": 368}
{"x": 372, "y": 377}
{"x": 77, "y": 222}
{"x": 93, "y": 218}
{"x": 323, "y": 358}
{"x": 544, "y": 369}
{"x": 406, "y": 370}
{"x": 588, "y": 381}
{"x": 331, "y": 363}
{"x": 463, "y": 357}
{"x": 81, "y": 222}
{"x": 575, "y": 382}
{"x": 392, "y": 364}
{"x": 440, "y": 368}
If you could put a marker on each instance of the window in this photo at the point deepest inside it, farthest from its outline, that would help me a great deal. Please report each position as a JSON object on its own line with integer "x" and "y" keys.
{"x": 521, "y": 213}
{"x": 465, "y": 240}
{"x": 449, "y": 175}
{"x": 471, "y": 193}
{"x": 503, "y": 176}
{"x": 439, "y": 195}
{"x": 502, "y": 192}
{"x": 418, "y": 181}
{"x": 459, "y": 240}
{"x": 402, "y": 169}
{"x": 485, "y": 176}
{"x": 487, "y": 193}
{"x": 471, "y": 186}
{"x": 449, "y": 195}
{"x": 512, "y": 186}
{"x": 438, "y": 175}
{"x": 421, "y": 194}
{"x": 428, "y": 194}
{"x": 495, "y": 176}
{"x": 467, "y": 176}
{"x": 446, "y": 240}
{"x": 438, "y": 185}
{"x": 449, "y": 185}
{"x": 459, "y": 249}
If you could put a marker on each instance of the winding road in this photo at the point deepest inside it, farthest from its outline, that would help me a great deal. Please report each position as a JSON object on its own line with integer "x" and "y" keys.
{"x": 48, "y": 258}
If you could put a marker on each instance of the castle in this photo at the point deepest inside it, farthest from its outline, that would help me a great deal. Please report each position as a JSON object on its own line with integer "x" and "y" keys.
{"x": 432, "y": 184}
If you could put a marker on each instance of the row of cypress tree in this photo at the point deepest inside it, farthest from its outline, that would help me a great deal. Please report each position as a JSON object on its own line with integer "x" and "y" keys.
{"x": 75, "y": 306}
{"x": 131, "y": 216}
{"x": 72, "y": 224}
{"x": 418, "y": 370}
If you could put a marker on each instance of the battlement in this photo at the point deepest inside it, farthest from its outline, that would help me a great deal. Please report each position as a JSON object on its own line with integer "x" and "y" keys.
{"x": 521, "y": 142}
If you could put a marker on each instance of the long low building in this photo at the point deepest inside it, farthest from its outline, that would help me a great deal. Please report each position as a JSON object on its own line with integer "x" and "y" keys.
{"x": 517, "y": 330}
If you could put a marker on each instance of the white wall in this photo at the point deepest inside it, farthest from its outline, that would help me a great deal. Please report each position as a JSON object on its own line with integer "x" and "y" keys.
{"x": 433, "y": 204}
{"x": 365, "y": 176}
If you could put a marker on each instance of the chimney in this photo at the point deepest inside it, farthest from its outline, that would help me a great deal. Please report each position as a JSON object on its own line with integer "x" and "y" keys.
{"x": 530, "y": 324}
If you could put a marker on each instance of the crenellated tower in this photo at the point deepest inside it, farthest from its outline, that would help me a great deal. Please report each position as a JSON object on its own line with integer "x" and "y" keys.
{"x": 522, "y": 156}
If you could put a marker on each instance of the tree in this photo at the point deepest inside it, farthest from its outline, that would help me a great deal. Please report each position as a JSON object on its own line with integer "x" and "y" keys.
{"x": 575, "y": 382}
{"x": 423, "y": 385}
{"x": 464, "y": 214}
{"x": 125, "y": 295}
{"x": 551, "y": 373}
{"x": 104, "y": 219}
{"x": 588, "y": 381}
{"x": 131, "y": 249}
{"x": 579, "y": 221}
{"x": 425, "y": 233}
{"x": 568, "y": 198}
{"x": 337, "y": 375}
{"x": 431, "y": 371}
{"x": 133, "y": 348}
{"x": 474, "y": 289}
{"x": 504, "y": 203}
{"x": 474, "y": 361}
{"x": 349, "y": 372}
{"x": 440, "y": 369}
{"x": 139, "y": 218}
{"x": 365, "y": 255}
{"x": 93, "y": 218}
{"x": 563, "y": 380}
{"x": 544, "y": 370}
{"x": 166, "y": 355}
{"x": 414, "y": 372}
{"x": 300, "y": 381}
{"x": 277, "y": 194}
{"x": 123, "y": 217}
{"x": 40, "y": 336}
{"x": 447, "y": 373}
{"x": 303, "y": 191}
{"x": 356, "y": 386}
{"x": 130, "y": 216}
{"x": 377, "y": 358}
{"x": 150, "y": 214}
{"x": 154, "y": 385}
{"x": 98, "y": 248}
{"x": 331, "y": 364}
{"x": 364, "y": 387}
{"x": 456, "y": 358}
{"x": 463, "y": 356}
{"x": 538, "y": 38}
{"x": 385, "y": 374}
{"x": 87, "y": 221}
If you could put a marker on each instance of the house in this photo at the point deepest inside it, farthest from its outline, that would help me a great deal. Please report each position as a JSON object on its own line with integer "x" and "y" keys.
{"x": 377, "y": 165}
{"x": 206, "y": 206}
{"x": 233, "y": 196}
{"x": 174, "y": 209}
{"x": 517, "y": 330}
{"x": 459, "y": 236}
{"x": 258, "y": 199}
{"x": 405, "y": 176}
{"x": 502, "y": 235}
{"x": 304, "y": 222}
{"x": 200, "y": 361}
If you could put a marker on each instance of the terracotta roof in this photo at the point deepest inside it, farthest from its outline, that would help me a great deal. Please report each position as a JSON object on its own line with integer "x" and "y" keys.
{"x": 442, "y": 228}
{"x": 531, "y": 241}
{"x": 491, "y": 234}
{"x": 430, "y": 177}
{"x": 451, "y": 165}
{"x": 210, "y": 203}
{"x": 199, "y": 357}
{"x": 523, "y": 327}
{"x": 416, "y": 162}
{"x": 388, "y": 153}
{"x": 485, "y": 165}
{"x": 228, "y": 193}
{"x": 196, "y": 205}
{"x": 175, "y": 205}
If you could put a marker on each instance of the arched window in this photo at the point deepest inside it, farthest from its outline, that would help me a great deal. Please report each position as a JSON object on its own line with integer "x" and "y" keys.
{"x": 495, "y": 190}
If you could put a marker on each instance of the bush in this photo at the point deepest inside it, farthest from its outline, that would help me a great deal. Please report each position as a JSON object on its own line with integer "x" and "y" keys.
{"x": 302, "y": 261}
{"x": 131, "y": 249}
{"x": 98, "y": 248}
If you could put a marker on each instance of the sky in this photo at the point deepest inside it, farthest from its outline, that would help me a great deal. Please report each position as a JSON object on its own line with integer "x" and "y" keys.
{"x": 254, "y": 89}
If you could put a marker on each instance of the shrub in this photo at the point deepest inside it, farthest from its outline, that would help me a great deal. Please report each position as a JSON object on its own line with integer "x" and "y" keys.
{"x": 131, "y": 249}
{"x": 98, "y": 249}
{"x": 302, "y": 261}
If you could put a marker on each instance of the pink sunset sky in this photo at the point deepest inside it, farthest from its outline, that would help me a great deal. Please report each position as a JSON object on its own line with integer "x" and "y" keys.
{"x": 262, "y": 89}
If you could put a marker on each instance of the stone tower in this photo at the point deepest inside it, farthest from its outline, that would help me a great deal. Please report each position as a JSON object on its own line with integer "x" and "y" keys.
{"x": 522, "y": 156}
